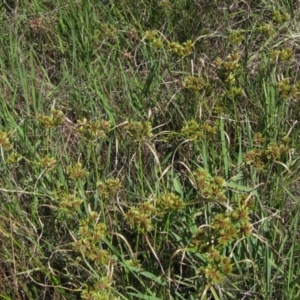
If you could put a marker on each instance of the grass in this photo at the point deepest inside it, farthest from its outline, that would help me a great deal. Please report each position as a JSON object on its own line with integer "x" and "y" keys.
{"x": 149, "y": 150}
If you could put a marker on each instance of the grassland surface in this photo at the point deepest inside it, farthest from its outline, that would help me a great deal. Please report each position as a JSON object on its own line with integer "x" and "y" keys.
{"x": 149, "y": 149}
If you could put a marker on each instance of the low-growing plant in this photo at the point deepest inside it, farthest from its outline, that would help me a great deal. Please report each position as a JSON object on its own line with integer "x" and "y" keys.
{"x": 149, "y": 150}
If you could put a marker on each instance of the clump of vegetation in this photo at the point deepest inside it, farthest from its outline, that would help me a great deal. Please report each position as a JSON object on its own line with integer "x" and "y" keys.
{"x": 149, "y": 150}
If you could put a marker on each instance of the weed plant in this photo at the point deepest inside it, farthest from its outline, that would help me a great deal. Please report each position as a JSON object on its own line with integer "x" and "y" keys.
{"x": 149, "y": 149}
